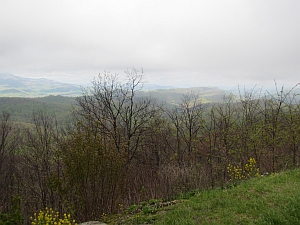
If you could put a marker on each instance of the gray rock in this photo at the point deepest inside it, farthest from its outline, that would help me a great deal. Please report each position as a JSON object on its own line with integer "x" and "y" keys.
{"x": 92, "y": 223}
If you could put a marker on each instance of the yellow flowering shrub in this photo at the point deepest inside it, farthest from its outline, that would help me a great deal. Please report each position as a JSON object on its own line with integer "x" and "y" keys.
{"x": 242, "y": 173}
{"x": 49, "y": 217}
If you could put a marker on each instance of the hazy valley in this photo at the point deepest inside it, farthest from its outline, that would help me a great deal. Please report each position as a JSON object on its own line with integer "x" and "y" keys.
{"x": 21, "y": 96}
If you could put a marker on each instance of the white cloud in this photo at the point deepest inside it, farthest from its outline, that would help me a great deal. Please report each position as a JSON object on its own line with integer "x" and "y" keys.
{"x": 176, "y": 42}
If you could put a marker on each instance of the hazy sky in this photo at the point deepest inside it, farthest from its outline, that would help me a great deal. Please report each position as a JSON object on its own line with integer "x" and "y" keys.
{"x": 180, "y": 43}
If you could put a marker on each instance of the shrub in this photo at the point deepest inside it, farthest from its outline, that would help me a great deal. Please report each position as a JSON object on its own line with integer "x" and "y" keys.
{"x": 242, "y": 173}
{"x": 10, "y": 218}
{"x": 13, "y": 217}
{"x": 48, "y": 217}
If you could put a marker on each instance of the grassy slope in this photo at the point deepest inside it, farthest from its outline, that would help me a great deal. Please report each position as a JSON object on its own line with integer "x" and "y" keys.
{"x": 265, "y": 200}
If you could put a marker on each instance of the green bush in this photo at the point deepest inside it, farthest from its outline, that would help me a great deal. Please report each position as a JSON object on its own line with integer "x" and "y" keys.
{"x": 14, "y": 217}
{"x": 11, "y": 218}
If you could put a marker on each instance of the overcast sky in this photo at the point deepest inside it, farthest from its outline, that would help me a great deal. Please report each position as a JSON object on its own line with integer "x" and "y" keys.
{"x": 179, "y": 43}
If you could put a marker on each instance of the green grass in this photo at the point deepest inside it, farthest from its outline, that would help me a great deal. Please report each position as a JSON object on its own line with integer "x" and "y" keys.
{"x": 264, "y": 200}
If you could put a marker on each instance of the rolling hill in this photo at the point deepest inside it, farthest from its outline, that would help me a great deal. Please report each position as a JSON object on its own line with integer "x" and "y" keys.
{"x": 173, "y": 96}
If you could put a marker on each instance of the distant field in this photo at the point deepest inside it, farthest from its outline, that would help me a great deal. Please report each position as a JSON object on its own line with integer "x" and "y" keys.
{"x": 174, "y": 96}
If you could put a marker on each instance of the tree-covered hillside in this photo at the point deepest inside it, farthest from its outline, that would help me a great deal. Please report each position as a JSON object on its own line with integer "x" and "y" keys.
{"x": 21, "y": 109}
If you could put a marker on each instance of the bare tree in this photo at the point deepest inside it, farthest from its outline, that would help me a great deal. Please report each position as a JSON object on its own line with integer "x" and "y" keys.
{"x": 41, "y": 165}
{"x": 249, "y": 125}
{"x": 115, "y": 107}
{"x": 8, "y": 144}
{"x": 187, "y": 120}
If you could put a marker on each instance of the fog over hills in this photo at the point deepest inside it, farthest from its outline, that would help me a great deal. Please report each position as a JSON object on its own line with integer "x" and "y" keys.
{"x": 16, "y": 86}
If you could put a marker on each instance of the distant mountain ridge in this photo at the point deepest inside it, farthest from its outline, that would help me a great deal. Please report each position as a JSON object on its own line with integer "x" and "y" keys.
{"x": 15, "y": 86}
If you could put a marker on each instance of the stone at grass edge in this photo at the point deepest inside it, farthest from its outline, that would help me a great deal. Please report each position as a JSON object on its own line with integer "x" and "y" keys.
{"x": 92, "y": 223}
